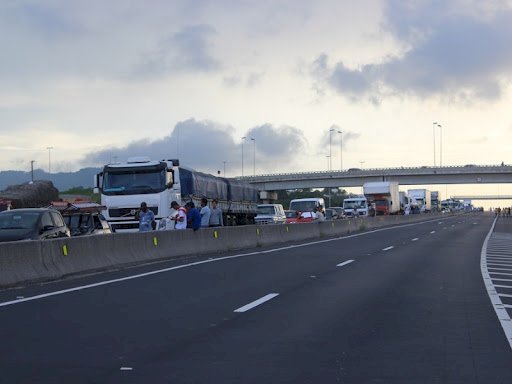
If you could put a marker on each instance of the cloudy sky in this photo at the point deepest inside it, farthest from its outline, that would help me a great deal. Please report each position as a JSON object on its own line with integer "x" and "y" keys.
{"x": 103, "y": 80}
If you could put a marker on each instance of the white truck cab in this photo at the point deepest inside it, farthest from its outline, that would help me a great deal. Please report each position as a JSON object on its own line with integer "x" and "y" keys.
{"x": 355, "y": 206}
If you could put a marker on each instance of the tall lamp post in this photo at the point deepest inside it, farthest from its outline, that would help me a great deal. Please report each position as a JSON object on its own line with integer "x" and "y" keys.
{"x": 328, "y": 166}
{"x": 243, "y": 139}
{"x": 253, "y": 156}
{"x": 32, "y": 169}
{"x": 341, "y": 150}
{"x": 49, "y": 163}
{"x": 434, "y": 125}
{"x": 330, "y": 148}
{"x": 440, "y": 145}
{"x": 224, "y": 163}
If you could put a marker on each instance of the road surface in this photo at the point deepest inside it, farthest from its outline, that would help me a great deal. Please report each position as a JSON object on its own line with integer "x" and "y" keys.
{"x": 398, "y": 305}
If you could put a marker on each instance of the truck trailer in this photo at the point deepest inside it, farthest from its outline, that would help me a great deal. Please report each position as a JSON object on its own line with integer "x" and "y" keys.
{"x": 123, "y": 186}
{"x": 384, "y": 195}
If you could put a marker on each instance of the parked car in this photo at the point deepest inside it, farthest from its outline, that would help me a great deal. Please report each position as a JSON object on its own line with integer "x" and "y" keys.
{"x": 32, "y": 224}
{"x": 302, "y": 217}
{"x": 330, "y": 214}
{"x": 83, "y": 218}
{"x": 339, "y": 212}
{"x": 291, "y": 215}
{"x": 270, "y": 214}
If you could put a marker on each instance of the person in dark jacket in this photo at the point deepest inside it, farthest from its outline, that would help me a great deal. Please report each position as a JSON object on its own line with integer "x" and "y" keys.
{"x": 193, "y": 216}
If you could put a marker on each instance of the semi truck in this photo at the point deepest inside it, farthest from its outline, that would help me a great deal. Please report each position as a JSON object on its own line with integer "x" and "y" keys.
{"x": 384, "y": 195}
{"x": 123, "y": 186}
{"x": 422, "y": 197}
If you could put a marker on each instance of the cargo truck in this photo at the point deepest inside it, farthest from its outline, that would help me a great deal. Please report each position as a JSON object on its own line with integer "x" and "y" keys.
{"x": 384, "y": 195}
{"x": 123, "y": 186}
{"x": 422, "y": 197}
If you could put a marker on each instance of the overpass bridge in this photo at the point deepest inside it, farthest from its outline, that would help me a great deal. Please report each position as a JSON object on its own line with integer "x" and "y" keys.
{"x": 483, "y": 197}
{"x": 355, "y": 177}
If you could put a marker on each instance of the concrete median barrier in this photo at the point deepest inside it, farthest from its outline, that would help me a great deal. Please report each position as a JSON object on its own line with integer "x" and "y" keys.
{"x": 34, "y": 261}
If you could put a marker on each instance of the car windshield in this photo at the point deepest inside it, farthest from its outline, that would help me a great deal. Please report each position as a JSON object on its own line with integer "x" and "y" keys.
{"x": 266, "y": 210}
{"x": 18, "y": 220}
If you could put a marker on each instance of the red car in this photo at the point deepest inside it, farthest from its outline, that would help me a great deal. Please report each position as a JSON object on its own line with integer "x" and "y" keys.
{"x": 299, "y": 217}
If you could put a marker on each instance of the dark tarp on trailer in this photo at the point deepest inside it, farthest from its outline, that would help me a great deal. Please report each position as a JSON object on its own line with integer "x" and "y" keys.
{"x": 202, "y": 185}
{"x": 242, "y": 191}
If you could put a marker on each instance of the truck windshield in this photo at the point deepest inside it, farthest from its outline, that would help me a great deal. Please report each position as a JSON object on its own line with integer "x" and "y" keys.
{"x": 133, "y": 181}
{"x": 354, "y": 204}
{"x": 303, "y": 206}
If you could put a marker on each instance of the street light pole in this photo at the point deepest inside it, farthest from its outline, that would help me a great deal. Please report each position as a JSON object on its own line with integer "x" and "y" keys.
{"x": 440, "y": 145}
{"x": 341, "y": 150}
{"x": 224, "y": 162}
{"x": 243, "y": 139}
{"x": 434, "y": 136}
{"x": 330, "y": 148}
{"x": 253, "y": 156}
{"x": 32, "y": 169}
{"x": 49, "y": 164}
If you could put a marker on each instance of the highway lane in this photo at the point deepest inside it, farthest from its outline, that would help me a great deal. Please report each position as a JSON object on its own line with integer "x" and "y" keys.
{"x": 399, "y": 305}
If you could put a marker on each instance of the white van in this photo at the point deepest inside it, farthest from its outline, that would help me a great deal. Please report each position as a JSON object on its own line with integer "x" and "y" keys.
{"x": 270, "y": 214}
{"x": 307, "y": 205}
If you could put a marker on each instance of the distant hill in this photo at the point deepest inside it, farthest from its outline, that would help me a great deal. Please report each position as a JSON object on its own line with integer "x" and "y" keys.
{"x": 62, "y": 181}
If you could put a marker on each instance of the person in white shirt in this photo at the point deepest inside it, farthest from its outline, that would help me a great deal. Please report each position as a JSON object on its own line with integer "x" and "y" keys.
{"x": 319, "y": 214}
{"x": 180, "y": 217}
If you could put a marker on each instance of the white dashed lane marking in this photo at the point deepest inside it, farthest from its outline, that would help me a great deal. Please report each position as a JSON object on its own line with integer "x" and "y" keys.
{"x": 255, "y": 303}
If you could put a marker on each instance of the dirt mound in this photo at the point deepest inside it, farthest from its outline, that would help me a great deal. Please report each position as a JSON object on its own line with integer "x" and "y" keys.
{"x": 39, "y": 193}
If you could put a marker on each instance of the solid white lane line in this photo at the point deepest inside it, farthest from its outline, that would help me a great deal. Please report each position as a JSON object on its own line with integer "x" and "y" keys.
{"x": 345, "y": 263}
{"x": 499, "y": 307}
{"x": 415, "y": 239}
{"x": 503, "y": 286}
{"x": 388, "y": 248}
{"x": 504, "y": 295}
{"x": 255, "y": 303}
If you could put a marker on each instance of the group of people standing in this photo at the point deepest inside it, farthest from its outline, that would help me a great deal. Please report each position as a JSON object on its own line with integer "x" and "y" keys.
{"x": 184, "y": 217}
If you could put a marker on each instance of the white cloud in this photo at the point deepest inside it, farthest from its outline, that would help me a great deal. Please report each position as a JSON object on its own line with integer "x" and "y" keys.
{"x": 97, "y": 77}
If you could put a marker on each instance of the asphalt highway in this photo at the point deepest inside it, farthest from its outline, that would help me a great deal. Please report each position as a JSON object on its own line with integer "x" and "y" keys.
{"x": 399, "y": 305}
